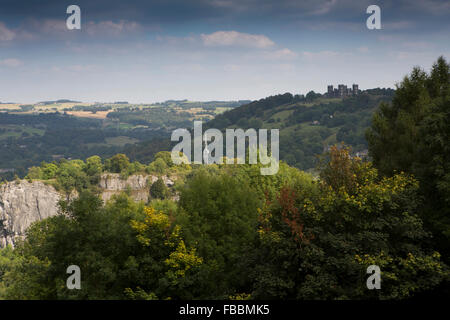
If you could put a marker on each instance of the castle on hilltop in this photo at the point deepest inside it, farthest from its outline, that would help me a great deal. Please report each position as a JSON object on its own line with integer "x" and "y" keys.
{"x": 342, "y": 91}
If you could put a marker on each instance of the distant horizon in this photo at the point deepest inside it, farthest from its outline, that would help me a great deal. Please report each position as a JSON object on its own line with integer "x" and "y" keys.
{"x": 167, "y": 100}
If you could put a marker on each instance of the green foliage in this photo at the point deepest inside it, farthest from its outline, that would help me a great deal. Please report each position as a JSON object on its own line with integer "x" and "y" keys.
{"x": 268, "y": 186}
{"x": 93, "y": 168}
{"x": 218, "y": 217}
{"x": 117, "y": 163}
{"x": 158, "y": 166}
{"x": 70, "y": 177}
{"x": 166, "y": 156}
{"x": 124, "y": 250}
{"x": 318, "y": 245}
{"x": 158, "y": 189}
{"x": 234, "y": 234}
{"x": 34, "y": 173}
{"x": 22, "y": 277}
{"x": 168, "y": 206}
{"x": 412, "y": 135}
{"x": 49, "y": 170}
{"x": 79, "y": 175}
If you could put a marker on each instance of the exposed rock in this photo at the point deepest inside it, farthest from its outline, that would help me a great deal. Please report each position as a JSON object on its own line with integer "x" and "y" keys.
{"x": 112, "y": 184}
{"x": 137, "y": 185}
{"x": 22, "y": 203}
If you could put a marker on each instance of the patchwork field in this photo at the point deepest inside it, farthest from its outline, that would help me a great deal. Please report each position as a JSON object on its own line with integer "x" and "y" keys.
{"x": 89, "y": 114}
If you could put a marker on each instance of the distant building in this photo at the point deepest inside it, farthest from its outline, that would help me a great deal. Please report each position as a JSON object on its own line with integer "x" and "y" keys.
{"x": 342, "y": 91}
{"x": 330, "y": 91}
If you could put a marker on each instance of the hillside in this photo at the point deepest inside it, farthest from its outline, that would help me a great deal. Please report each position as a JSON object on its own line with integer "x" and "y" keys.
{"x": 308, "y": 125}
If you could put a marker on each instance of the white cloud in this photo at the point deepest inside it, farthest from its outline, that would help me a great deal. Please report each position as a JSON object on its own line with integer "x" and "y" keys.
{"x": 12, "y": 62}
{"x": 325, "y": 8}
{"x": 284, "y": 53}
{"x": 234, "y": 38}
{"x": 171, "y": 40}
{"x": 111, "y": 28}
{"x": 48, "y": 26}
{"x": 5, "y": 33}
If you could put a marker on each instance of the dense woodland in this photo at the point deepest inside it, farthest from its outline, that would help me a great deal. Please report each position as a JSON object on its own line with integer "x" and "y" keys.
{"x": 235, "y": 234}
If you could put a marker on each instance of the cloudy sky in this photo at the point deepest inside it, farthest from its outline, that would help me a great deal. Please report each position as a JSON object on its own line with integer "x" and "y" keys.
{"x": 154, "y": 50}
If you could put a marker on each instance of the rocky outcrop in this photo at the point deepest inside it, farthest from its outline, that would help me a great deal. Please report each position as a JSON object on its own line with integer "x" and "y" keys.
{"x": 137, "y": 185}
{"x": 22, "y": 202}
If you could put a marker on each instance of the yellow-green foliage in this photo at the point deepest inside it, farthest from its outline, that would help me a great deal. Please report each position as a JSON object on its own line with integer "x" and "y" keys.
{"x": 157, "y": 226}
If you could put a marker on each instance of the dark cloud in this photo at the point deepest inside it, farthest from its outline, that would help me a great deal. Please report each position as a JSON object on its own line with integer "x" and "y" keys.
{"x": 173, "y": 12}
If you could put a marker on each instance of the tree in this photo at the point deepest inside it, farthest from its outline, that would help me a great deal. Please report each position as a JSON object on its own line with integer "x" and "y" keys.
{"x": 70, "y": 176}
{"x": 158, "y": 166}
{"x": 218, "y": 214}
{"x": 117, "y": 163}
{"x": 93, "y": 169}
{"x": 311, "y": 96}
{"x": 412, "y": 135}
{"x": 318, "y": 245}
{"x": 124, "y": 250}
{"x": 46, "y": 171}
{"x": 175, "y": 265}
{"x": 166, "y": 156}
{"x": 34, "y": 173}
{"x": 159, "y": 190}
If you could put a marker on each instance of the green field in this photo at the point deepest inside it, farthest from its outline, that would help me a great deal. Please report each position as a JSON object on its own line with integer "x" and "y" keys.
{"x": 17, "y": 131}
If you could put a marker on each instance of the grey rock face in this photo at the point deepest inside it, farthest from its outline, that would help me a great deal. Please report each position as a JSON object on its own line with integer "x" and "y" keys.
{"x": 23, "y": 203}
{"x": 136, "y": 184}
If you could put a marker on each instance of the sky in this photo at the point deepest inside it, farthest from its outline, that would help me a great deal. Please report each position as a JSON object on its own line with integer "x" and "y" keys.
{"x": 145, "y": 51}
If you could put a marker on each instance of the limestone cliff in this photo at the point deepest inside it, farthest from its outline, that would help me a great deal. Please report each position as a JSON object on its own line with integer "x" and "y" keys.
{"x": 137, "y": 185}
{"x": 22, "y": 202}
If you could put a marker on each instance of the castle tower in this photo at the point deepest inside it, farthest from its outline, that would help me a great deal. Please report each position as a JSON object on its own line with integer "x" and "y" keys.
{"x": 330, "y": 90}
{"x": 342, "y": 89}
